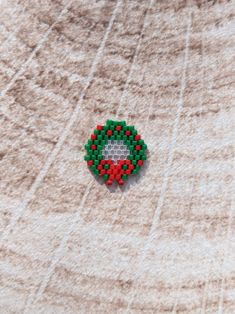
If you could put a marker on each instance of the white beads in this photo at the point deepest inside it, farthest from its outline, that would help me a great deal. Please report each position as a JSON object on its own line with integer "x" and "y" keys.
{"x": 115, "y": 150}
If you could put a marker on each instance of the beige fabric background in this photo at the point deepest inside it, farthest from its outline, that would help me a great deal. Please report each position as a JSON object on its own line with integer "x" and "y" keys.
{"x": 165, "y": 243}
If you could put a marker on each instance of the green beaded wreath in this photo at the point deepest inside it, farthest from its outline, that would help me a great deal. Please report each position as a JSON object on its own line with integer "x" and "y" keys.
{"x": 115, "y": 151}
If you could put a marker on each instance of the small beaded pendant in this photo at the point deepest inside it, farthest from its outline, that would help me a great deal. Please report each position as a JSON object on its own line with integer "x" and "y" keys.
{"x": 115, "y": 151}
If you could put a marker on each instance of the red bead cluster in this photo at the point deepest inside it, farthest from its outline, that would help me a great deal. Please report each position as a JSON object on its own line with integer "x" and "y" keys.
{"x": 115, "y": 171}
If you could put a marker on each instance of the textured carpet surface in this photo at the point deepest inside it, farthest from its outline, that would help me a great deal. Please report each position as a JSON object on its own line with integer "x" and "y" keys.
{"x": 166, "y": 242}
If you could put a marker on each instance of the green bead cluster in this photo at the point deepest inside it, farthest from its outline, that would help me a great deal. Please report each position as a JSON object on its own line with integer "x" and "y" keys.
{"x": 119, "y": 131}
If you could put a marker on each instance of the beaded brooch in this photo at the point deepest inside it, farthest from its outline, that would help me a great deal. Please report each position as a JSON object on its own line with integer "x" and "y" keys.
{"x": 115, "y": 151}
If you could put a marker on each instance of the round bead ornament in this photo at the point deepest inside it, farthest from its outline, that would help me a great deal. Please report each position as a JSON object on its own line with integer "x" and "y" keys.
{"x": 115, "y": 151}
